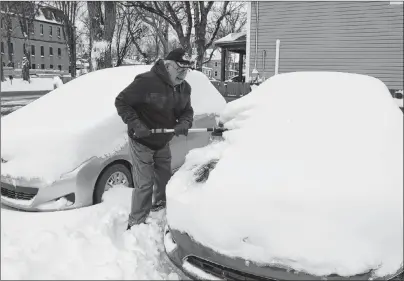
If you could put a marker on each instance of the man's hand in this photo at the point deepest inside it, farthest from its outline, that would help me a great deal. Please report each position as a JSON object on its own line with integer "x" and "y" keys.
{"x": 181, "y": 129}
{"x": 139, "y": 129}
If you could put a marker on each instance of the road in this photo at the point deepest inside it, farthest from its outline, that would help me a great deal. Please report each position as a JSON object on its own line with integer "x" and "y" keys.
{"x": 10, "y": 103}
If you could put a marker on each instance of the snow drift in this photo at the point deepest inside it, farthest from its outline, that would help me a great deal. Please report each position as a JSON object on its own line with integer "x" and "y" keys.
{"x": 84, "y": 244}
{"x": 59, "y": 131}
{"x": 308, "y": 177}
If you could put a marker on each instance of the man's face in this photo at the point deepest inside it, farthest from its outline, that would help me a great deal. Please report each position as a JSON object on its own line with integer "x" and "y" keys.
{"x": 177, "y": 74}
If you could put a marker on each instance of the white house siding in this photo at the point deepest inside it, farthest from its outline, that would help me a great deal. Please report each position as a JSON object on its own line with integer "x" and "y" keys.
{"x": 358, "y": 37}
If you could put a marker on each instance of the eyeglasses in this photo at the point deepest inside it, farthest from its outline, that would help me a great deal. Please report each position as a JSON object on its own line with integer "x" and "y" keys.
{"x": 180, "y": 69}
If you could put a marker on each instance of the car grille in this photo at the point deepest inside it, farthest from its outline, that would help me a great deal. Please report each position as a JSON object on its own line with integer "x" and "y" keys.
{"x": 222, "y": 271}
{"x": 18, "y": 192}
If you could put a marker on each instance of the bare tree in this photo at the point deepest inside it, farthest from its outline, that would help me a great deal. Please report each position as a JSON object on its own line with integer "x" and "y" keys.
{"x": 68, "y": 17}
{"x": 102, "y": 25}
{"x": 234, "y": 22}
{"x": 8, "y": 8}
{"x": 24, "y": 12}
{"x": 160, "y": 29}
{"x": 130, "y": 29}
{"x": 183, "y": 16}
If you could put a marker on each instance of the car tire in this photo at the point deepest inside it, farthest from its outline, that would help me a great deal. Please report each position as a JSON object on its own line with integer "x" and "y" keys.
{"x": 101, "y": 183}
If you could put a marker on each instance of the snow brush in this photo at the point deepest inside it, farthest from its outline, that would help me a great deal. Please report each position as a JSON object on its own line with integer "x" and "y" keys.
{"x": 216, "y": 131}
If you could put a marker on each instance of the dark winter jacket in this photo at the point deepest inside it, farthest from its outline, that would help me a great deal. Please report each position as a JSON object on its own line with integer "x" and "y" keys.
{"x": 152, "y": 99}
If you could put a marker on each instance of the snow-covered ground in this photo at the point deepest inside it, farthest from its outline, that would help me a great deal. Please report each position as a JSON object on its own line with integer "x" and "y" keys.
{"x": 88, "y": 243}
{"x": 37, "y": 84}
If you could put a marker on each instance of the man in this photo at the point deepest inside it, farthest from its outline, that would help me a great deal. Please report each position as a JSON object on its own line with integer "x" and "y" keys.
{"x": 156, "y": 99}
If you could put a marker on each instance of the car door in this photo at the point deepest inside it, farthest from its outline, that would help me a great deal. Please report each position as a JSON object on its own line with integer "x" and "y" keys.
{"x": 181, "y": 145}
{"x": 200, "y": 139}
{"x": 179, "y": 149}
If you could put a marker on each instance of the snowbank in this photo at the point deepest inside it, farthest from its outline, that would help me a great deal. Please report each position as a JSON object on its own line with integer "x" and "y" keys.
{"x": 57, "y": 132}
{"x": 57, "y": 82}
{"x": 37, "y": 84}
{"x": 307, "y": 178}
{"x": 88, "y": 243}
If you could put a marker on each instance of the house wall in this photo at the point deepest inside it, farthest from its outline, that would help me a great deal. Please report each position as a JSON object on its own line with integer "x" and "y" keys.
{"x": 37, "y": 40}
{"x": 359, "y": 37}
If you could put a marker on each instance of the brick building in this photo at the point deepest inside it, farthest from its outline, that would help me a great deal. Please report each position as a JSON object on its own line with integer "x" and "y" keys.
{"x": 47, "y": 42}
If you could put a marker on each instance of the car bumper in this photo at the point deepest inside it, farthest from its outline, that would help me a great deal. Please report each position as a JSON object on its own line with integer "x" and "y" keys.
{"x": 60, "y": 195}
{"x": 202, "y": 263}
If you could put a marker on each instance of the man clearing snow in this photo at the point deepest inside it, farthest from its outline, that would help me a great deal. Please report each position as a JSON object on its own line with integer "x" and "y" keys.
{"x": 156, "y": 99}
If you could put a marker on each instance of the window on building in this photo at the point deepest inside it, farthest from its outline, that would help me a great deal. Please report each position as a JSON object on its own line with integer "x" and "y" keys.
{"x": 43, "y": 66}
{"x": 32, "y": 50}
{"x": 42, "y": 51}
{"x": 41, "y": 28}
{"x": 59, "y": 32}
{"x": 12, "y": 48}
{"x": 60, "y": 67}
{"x": 50, "y": 31}
{"x": 59, "y": 52}
{"x": 2, "y": 23}
{"x": 215, "y": 73}
{"x": 4, "y": 64}
{"x": 50, "y": 51}
{"x": 33, "y": 66}
{"x": 31, "y": 27}
{"x": 51, "y": 66}
{"x": 2, "y": 47}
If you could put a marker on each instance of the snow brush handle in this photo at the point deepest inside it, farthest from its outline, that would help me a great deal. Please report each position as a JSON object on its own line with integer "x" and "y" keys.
{"x": 194, "y": 130}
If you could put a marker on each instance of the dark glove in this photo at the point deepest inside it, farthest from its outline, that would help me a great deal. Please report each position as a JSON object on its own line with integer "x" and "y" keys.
{"x": 139, "y": 129}
{"x": 181, "y": 129}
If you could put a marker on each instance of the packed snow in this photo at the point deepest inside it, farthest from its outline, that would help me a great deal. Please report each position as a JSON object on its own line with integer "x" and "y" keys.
{"x": 61, "y": 130}
{"x": 88, "y": 243}
{"x": 18, "y": 84}
{"x": 57, "y": 82}
{"x": 299, "y": 183}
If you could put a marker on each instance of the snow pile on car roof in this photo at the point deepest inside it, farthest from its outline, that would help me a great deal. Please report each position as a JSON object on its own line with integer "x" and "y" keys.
{"x": 56, "y": 133}
{"x": 309, "y": 177}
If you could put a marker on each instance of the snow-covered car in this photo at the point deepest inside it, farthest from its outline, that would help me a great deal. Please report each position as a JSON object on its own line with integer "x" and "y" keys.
{"x": 306, "y": 185}
{"x": 63, "y": 150}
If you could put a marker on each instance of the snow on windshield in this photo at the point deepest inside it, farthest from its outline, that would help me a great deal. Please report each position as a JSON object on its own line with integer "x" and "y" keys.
{"x": 308, "y": 177}
{"x": 57, "y": 132}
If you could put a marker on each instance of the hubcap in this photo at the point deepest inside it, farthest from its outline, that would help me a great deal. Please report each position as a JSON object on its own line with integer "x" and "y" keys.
{"x": 115, "y": 179}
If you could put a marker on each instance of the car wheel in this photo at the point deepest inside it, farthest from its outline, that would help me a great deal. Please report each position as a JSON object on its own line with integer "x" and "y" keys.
{"x": 113, "y": 175}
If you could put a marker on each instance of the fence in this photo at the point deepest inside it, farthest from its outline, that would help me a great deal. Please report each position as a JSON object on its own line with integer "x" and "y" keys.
{"x": 232, "y": 90}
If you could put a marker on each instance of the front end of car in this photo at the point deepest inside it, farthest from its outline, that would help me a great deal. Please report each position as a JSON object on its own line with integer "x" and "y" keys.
{"x": 202, "y": 263}
{"x": 70, "y": 191}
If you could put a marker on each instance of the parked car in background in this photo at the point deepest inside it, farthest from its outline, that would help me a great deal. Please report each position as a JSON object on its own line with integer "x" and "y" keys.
{"x": 63, "y": 150}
